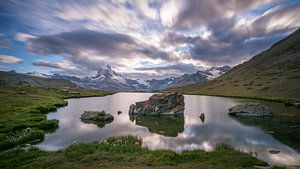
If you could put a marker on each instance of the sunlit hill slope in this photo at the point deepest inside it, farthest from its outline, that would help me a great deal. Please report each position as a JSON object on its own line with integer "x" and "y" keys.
{"x": 273, "y": 74}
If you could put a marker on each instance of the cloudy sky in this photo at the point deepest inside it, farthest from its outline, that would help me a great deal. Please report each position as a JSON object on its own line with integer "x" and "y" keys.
{"x": 139, "y": 38}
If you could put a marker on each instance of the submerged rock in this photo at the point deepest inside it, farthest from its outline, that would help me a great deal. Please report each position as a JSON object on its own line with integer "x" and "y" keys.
{"x": 160, "y": 104}
{"x": 96, "y": 117}
{"x": 297, "y": 105}
{"x": 250, "y": 110}
{"x": 274, "y": 151}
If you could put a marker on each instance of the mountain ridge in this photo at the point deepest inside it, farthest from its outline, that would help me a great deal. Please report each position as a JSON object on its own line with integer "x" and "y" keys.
{"x": 108, "y": 79}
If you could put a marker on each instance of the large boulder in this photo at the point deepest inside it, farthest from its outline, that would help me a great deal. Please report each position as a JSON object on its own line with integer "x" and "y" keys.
{"x": 160, "y": 104}
{"x": 250, "y": 110}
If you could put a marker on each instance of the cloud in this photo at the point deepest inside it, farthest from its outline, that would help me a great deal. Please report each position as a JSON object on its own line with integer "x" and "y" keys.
{"x": 195, "y": 13}
{"x": 169, "y": 12}
{"x": 23, "y": 37}
{"x": 146, "y": 9}
{"x": 119, "y": 16}
{"x": 174, "y": 69}
{"x": 233, "y": 38}
{"x": 56, "y": 65}
{"x": 10, "y": 59}
{"x": 277, "y": 19}
{"x": 76, "y": 43}
{"x": 92, "y": 49}
{"x": 175, "y": 36}
{"x": 73, "y": 43}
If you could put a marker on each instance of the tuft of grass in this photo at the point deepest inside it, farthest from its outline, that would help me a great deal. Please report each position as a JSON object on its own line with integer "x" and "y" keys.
{"x": 102, "y": 113}
{"x": 21, "y": 137}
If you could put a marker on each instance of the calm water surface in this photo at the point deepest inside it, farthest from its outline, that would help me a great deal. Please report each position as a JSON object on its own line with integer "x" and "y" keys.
{"x": 177, "y": 134}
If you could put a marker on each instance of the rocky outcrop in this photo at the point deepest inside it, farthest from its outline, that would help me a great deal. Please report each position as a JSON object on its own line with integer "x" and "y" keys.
{"x": 96, "y": 116}
{"x": 160, "y": 104}
{"x": 250, "y": 110}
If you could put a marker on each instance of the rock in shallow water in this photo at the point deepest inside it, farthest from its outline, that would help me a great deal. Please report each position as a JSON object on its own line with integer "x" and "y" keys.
{"x": 160, "y": 104}
{"x": 250, "y": 110}
{"x": 272, "y": 151}
{"x": 202, "y": 117}
{"x": 96, "y": 116}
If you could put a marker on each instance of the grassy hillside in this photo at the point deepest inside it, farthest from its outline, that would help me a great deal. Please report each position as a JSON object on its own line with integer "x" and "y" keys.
{"x": 273, "y": 74}
{"x": 14, "y": 78}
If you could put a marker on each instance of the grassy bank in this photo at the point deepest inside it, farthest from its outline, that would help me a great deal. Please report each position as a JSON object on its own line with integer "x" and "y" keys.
{"x": 124, "y": 152}
{"x": 23, "y": 112}
{"x": 192, "y": 90}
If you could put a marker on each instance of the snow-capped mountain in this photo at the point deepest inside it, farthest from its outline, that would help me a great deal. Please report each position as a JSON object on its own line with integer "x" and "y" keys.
{"x": 188, "y": 79}
{"x": 108, "y": 79}
{"x": 215, "y": 72}
{"x": 37, "y": 74}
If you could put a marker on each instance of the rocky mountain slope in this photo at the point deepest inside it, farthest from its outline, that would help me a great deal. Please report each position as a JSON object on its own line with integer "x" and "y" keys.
{"x": 106, "y": 79}
{"x": 272, "y": 74}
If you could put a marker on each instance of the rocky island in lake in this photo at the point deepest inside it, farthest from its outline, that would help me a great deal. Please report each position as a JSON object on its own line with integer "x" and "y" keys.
{"x": 166, "y": 104}
{"x": 250, "y": 110}
{"x": 96, "y": 117}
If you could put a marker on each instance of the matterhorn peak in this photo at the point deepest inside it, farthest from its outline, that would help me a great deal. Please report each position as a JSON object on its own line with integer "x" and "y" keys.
{"x": 108, "y": 72}
{"x": 109, "y": 67}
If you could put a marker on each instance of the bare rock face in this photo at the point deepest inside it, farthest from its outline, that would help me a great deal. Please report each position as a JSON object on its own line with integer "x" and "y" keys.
{"x": 250, "y": 110}
{"x": 160, "y": 104}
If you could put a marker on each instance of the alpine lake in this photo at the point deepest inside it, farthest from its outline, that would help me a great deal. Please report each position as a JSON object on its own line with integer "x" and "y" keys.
{"x": 179, "y": 133}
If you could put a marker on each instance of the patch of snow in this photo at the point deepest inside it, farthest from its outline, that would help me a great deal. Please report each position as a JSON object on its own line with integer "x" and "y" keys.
{"x": 142, "y": 82}
{"x": 119, "y": 79}
{"x": 215, "y": 73}
{"x": 37, "y": 74}
{"x": 171, "y": 81}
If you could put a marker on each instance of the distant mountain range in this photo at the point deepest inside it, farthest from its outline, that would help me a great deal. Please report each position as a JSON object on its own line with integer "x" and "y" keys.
{"x": 108, "y": 79}
{"x": 187, "y": 79}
